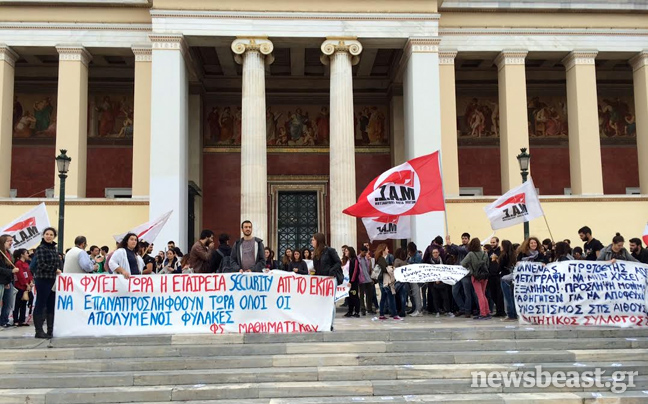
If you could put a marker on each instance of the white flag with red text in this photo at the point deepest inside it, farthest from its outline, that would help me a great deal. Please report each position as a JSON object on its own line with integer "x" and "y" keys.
{"x": 27, "y": 229}
{"x": 387, "y": 227}
{"x": 517, "y": 206}
{"x": 149, "y": 230}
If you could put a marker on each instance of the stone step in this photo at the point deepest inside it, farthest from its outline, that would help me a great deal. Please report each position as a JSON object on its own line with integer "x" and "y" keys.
{"x": 163, "y": 362}
{"x": 295, "y": 374}
{"x": 283, "y": 390}
{"x": 512, "y": 332}
{"x": 465, "y": 345}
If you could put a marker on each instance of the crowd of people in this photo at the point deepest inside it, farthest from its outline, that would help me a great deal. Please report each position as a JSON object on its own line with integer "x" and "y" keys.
{"x": 485, "y": 292}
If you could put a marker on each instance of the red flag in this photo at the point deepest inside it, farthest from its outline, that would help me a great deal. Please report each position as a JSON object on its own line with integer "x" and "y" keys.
{"x": 411, "y": 188}
{"x": 645, "y": 235}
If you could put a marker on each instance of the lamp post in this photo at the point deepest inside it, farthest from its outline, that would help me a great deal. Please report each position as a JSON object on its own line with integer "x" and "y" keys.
{"x": 523, "y": 159}
{"x": 63, "y": 165}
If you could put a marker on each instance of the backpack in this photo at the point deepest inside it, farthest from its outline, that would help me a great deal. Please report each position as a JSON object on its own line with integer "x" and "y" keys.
{"x": 225, "y": 263}
{"x": 482, "y": 272}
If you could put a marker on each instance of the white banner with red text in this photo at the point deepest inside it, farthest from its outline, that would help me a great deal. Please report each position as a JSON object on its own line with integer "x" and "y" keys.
{"x": 581, "y": 293}
{"x": 27, "y": 229}
{"x": 110, "y": 305}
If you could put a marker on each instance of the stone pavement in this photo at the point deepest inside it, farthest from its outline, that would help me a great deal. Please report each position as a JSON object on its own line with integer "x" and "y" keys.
{"x": 423, "y": 359}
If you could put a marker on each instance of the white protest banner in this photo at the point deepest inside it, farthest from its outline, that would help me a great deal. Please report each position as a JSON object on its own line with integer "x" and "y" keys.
{"x": 27, "y": 229}
{"x": 517, "y": 206}
{"x": 342, "y": 291}
{"x": 423, "y": 273}
{"x": 274, "y": 302}
{"x": 148, "y": 231}
{"x": 581, "y": 293}
{"x": 387, "y": 227}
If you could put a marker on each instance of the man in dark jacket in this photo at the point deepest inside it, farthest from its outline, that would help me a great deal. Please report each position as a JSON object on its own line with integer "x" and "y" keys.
{"x": 248, "y": 252}
{"x": 638, "y": 251}
{"x": 437, "y": 244}
{"x": 217, "y": 254}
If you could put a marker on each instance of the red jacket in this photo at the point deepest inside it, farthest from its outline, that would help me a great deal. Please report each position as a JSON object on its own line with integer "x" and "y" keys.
{"x": 24, "y": 276}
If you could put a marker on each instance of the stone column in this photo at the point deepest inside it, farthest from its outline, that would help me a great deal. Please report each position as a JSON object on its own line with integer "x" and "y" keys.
{"x": 169, "y": 181}
{"x": 254, "y": 54}
{"x": 72, "y": 117}
{"x": 514, "y": 124}
{"x": 142, "y": 122}
{"x": 7, "y": 62}
{"x": 640, "y": 68}
{"x": 397, "y": 133}
{"x": 196, "y": 153}
{"x": 582, "y": 108}
{"x": 422, "y": 103}
{"x": 341, "y": 55}
{"x": 450, "y": 154}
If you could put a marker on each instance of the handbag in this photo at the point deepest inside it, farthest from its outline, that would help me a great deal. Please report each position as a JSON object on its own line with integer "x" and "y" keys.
{"x": 376, "y": 272}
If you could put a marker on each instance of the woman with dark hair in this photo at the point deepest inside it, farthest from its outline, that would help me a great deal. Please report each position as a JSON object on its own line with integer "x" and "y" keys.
{"x": 23, "y": 283}
{"x": 616, "y": 251}
{"x": 354, "y": 283}
{"x": 506, "y": 262}
{"x": 386, "y": 283}
{"x": 475, "y": 259}
{"x": 7, "y": 271}
{"x": 297, "y": 264}
{"x": 48, "y": 265}
{"x": 325, "y": 259}
{"x": 530, "y": 251}
{"x": 286, "y": 260}
{"x": 125, "y": 260}
{"x": 563, "y": 252}
{"x": 171, "y": 264}
{"x": 270, "y": 262}
{"x": 306, "y": 254}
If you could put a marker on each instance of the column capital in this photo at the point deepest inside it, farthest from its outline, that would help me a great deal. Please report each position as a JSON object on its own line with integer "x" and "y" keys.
{"x": 169, "y": 42}
{"x": 258, "y": 44}
{"x": 579, "y": 57}
{"x": 74, "y": 53}
{"x": 143, "y": 53}
{"x": 422, "y": 45}
{"x": 334, "y": 45}
{"x": 8, "y": 55}
{"x": 640, "y": 60}
{"x": 447, "y": 57}
{"x": 510, "y": 57}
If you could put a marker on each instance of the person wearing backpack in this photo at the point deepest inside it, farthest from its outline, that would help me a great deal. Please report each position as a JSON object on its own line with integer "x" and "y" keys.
{"x": 477, "y": 264}
{"x": 219, "y": 257}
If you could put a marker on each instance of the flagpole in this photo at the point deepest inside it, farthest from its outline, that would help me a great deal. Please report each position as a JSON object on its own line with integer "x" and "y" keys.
{"x": 445, "y": 208}
{"x": 548, "y": 228}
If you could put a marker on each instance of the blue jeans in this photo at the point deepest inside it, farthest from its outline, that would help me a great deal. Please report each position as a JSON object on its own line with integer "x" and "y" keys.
{"x": 507, "y": 291}
{"x": 7, "y": 304}
{"x": 384, "y": 295}
{"x": 464, "y": 302}
{"x": 402, "y": 291}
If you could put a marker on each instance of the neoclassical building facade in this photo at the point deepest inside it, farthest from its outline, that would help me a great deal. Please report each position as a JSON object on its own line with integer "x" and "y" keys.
{"x": 282, "y": 112}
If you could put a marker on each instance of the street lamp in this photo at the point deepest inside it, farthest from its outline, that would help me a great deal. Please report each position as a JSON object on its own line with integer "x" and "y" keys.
{"x": 523, "y": 159}
{"x": 63, "y": 165}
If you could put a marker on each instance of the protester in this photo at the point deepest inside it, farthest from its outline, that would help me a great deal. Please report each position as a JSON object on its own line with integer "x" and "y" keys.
{"x": 48, "y": 265}
{"x": 475, "y": 259}
{"x": 366, "y": 284}
{"x": 616, "y": 251}
{"x": 149, "y": 262}
{"x": 297, "y": 264}
{"x": 23, "y": 282}
{"x": 592, "y": 246}
{"x": 216, "y": 263}
{"x": 286, "y": 259}
{"x": 325, "y": 259}
{"x": 494, "y": 286}
{"x": 171, "y": 264}
{"x": 463, "y": 291}
{"x": 438, "y": 296}
{"x": 7, "y": 271}
{"x": 77, "y": 260}
{"x": 402, "y": 288}
{"x": 577, "y": 252}
{"x": 306, "y": 254}
{"x": 414, "y": 257}
{"x": 638, "y": 251}
{"x": 386, "y": 281}
{"x": 354, "y": 276}
{"x": 125, "y": 260}
{"x": 436, "y": 244}
{"x": 270, "y": 262}
{"x": 562, "y": 252}
{"x": 159, "y": 262}
{"x": 548, "y": 250}
{"x": 199, "y": 253}
{"x": 529, "y": 251}
{"x": 506, "y": 262}
{"x": 97, "y": 258}
{"x": 248, "y": 252}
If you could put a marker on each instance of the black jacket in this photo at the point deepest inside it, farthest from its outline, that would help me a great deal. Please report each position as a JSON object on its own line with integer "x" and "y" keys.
{"x": 6, "y": 270}
{"x": 329, "y": 263}
{"x": 642, "y": 256}
{"x": 215, "y": 258}
{"x": 302, "y": 268}
{"x": 47, "y": 261}
{"x": 236, "y": 256}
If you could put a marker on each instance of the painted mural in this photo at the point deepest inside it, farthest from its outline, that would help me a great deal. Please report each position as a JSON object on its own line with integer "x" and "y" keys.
{"x": 547, "y": 117}
{"x": 34, "y": 116}
{"x": 295, "y": 126}
{"x": 616, "y": 117}
{"x": 110, "y": 119}
{"x": 478, "y": 117}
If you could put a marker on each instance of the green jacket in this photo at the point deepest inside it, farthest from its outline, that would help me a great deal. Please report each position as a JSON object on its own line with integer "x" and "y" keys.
{"x": 473, "y": 261}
